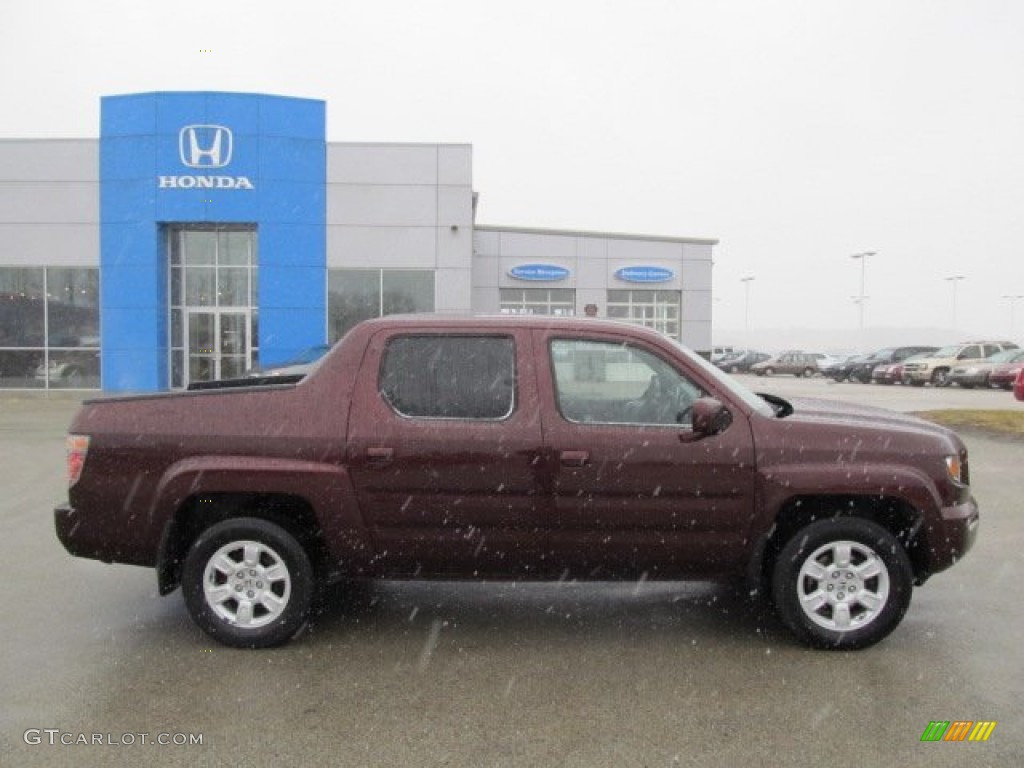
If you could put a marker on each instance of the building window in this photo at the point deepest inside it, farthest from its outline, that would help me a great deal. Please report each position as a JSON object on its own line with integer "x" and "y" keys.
{"x": 49, "y": 328}
{"x": 538, "y": 301}
{"x": 354, "y": 295}
{"x": 652, "y": 309}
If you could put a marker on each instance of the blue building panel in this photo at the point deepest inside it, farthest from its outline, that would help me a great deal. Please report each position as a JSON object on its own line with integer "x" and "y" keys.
{"x": 119, "y": 158}
{"x": 208, "y": 158}
{"x": 294, "y": 202}
{"x": 126, "y": 244}
{"x": 291, "y": 159}
{"x": 281, "y": 328}
{"x": 175, "y": 109}
{"x": 241, "y": 109}
{"x": 297, "y": 118}
{"x": 292, "y": 288}
{"x": 292, "y": 245}
{"x": 131, "y": 115}
{"x": 123, "y": 201}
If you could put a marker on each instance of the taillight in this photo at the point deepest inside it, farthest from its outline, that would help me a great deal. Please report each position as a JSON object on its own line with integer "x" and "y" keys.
{"x": 77, "y": 448}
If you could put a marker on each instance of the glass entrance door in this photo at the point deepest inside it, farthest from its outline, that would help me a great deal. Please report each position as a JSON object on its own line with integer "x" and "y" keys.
{"x": 219, "y": 344}
{"x": 212, "y": 286}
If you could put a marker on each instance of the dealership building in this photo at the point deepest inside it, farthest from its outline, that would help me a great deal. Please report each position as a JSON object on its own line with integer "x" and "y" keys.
{"x": 204, "y": 233}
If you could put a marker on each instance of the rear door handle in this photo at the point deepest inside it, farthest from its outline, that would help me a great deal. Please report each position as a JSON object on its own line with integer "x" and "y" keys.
{"x": 574, "y": 458}
{"x": 380, "y": 454}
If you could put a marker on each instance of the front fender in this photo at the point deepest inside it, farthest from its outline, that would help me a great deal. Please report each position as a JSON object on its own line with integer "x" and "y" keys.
{"x": 875, "y": 480}
{"x": 778, "y": 485}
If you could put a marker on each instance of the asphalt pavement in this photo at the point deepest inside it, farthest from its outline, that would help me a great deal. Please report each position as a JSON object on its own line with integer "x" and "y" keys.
{"x": 439, "y": 674}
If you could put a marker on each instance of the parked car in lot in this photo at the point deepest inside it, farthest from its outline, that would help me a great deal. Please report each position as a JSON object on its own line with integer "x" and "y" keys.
{"x": 1004, "y": 374}
{"x": 795, "y": 363}
{"x": 840, "y": 369}
{"x": 935, "y": 368}
{"x": 515, "y": 447}
{"x": 893, "y": 372}
{"x": 741, "y": 361}
{"x": 827, "y": 360}
{"x": 861, "y": 370}
{"x": 719, "y": 353}
{"x": 977, "y": 374}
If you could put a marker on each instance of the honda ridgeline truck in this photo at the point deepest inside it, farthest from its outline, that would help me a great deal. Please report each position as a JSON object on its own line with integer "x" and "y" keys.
{"x": 515, "y": 448}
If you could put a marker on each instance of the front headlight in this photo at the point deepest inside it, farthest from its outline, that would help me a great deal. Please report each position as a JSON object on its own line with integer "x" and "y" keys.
{"x": 957, "y": 470}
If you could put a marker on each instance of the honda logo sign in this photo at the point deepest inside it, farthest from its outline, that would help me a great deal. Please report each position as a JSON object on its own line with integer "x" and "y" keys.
{"x": 205, "y": 146}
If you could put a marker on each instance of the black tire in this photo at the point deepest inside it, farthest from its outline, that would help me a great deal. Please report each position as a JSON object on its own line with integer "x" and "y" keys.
{"x": 260, "y": 561}
{"x": 940, "y": 377}
{"x": 808, "y": 372}
{"x": 769, "y": 371}
{"x": 847, "y": 606}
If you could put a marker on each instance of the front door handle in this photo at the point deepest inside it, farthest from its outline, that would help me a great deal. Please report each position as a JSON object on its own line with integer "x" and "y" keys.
{"x": 574, "y": 458}
{"x": 380, "y": 454}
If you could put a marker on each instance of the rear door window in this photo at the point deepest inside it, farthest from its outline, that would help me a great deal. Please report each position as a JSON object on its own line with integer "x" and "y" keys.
{"x": 450, "y": 377}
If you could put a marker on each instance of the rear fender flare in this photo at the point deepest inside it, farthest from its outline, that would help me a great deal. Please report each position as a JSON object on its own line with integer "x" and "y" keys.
{"x": 326, "y": 488}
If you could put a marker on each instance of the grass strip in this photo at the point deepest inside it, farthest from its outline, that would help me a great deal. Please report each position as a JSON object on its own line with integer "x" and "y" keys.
{"x": 1002, "y": 423}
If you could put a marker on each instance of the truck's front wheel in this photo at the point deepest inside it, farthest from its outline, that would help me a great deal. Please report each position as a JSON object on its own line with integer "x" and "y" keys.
{"x": 248, "y": 583}
{"x": 842, "y": 583}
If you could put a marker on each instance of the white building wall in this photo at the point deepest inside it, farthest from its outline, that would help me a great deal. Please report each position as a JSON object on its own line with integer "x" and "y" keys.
{"x": 49, "y": 202}
{"x": 404, "y": 206}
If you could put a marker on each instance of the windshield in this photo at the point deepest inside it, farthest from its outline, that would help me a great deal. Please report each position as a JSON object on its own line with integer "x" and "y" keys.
{"x": 728, "y": 383}
{"x": 947, "y": 351}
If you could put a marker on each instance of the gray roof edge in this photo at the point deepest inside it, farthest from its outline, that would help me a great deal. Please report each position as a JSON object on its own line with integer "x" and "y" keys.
{"x": 585, "y": 233}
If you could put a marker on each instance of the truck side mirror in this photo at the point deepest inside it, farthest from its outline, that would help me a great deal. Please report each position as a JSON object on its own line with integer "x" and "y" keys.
{"x": 710, "y": 417}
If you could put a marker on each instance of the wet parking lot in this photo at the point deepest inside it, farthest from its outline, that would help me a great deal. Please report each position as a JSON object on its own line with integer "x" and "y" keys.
{"x": 420, "y": 674}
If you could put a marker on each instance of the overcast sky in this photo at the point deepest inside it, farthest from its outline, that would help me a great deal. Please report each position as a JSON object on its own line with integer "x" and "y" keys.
{"x": 797, "y": 132}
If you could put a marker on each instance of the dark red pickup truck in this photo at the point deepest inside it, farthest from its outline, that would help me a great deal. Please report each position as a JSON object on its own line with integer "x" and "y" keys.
{"x": 538, "y": 448}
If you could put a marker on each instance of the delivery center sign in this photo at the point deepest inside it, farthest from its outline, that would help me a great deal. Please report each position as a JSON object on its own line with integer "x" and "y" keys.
{"x": 205, "y": 148}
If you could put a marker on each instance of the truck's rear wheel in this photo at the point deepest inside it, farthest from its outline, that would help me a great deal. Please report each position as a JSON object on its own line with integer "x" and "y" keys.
{"x": 842, "y": 583}
{"x": 248, "y": 583}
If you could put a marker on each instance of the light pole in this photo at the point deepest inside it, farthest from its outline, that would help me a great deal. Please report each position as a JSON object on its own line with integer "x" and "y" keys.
{"x": 863, "y": 257}
{"x": 1013, "y": 298}
{"x": 746, "y": 307}
{"x": 954, "y": 279}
